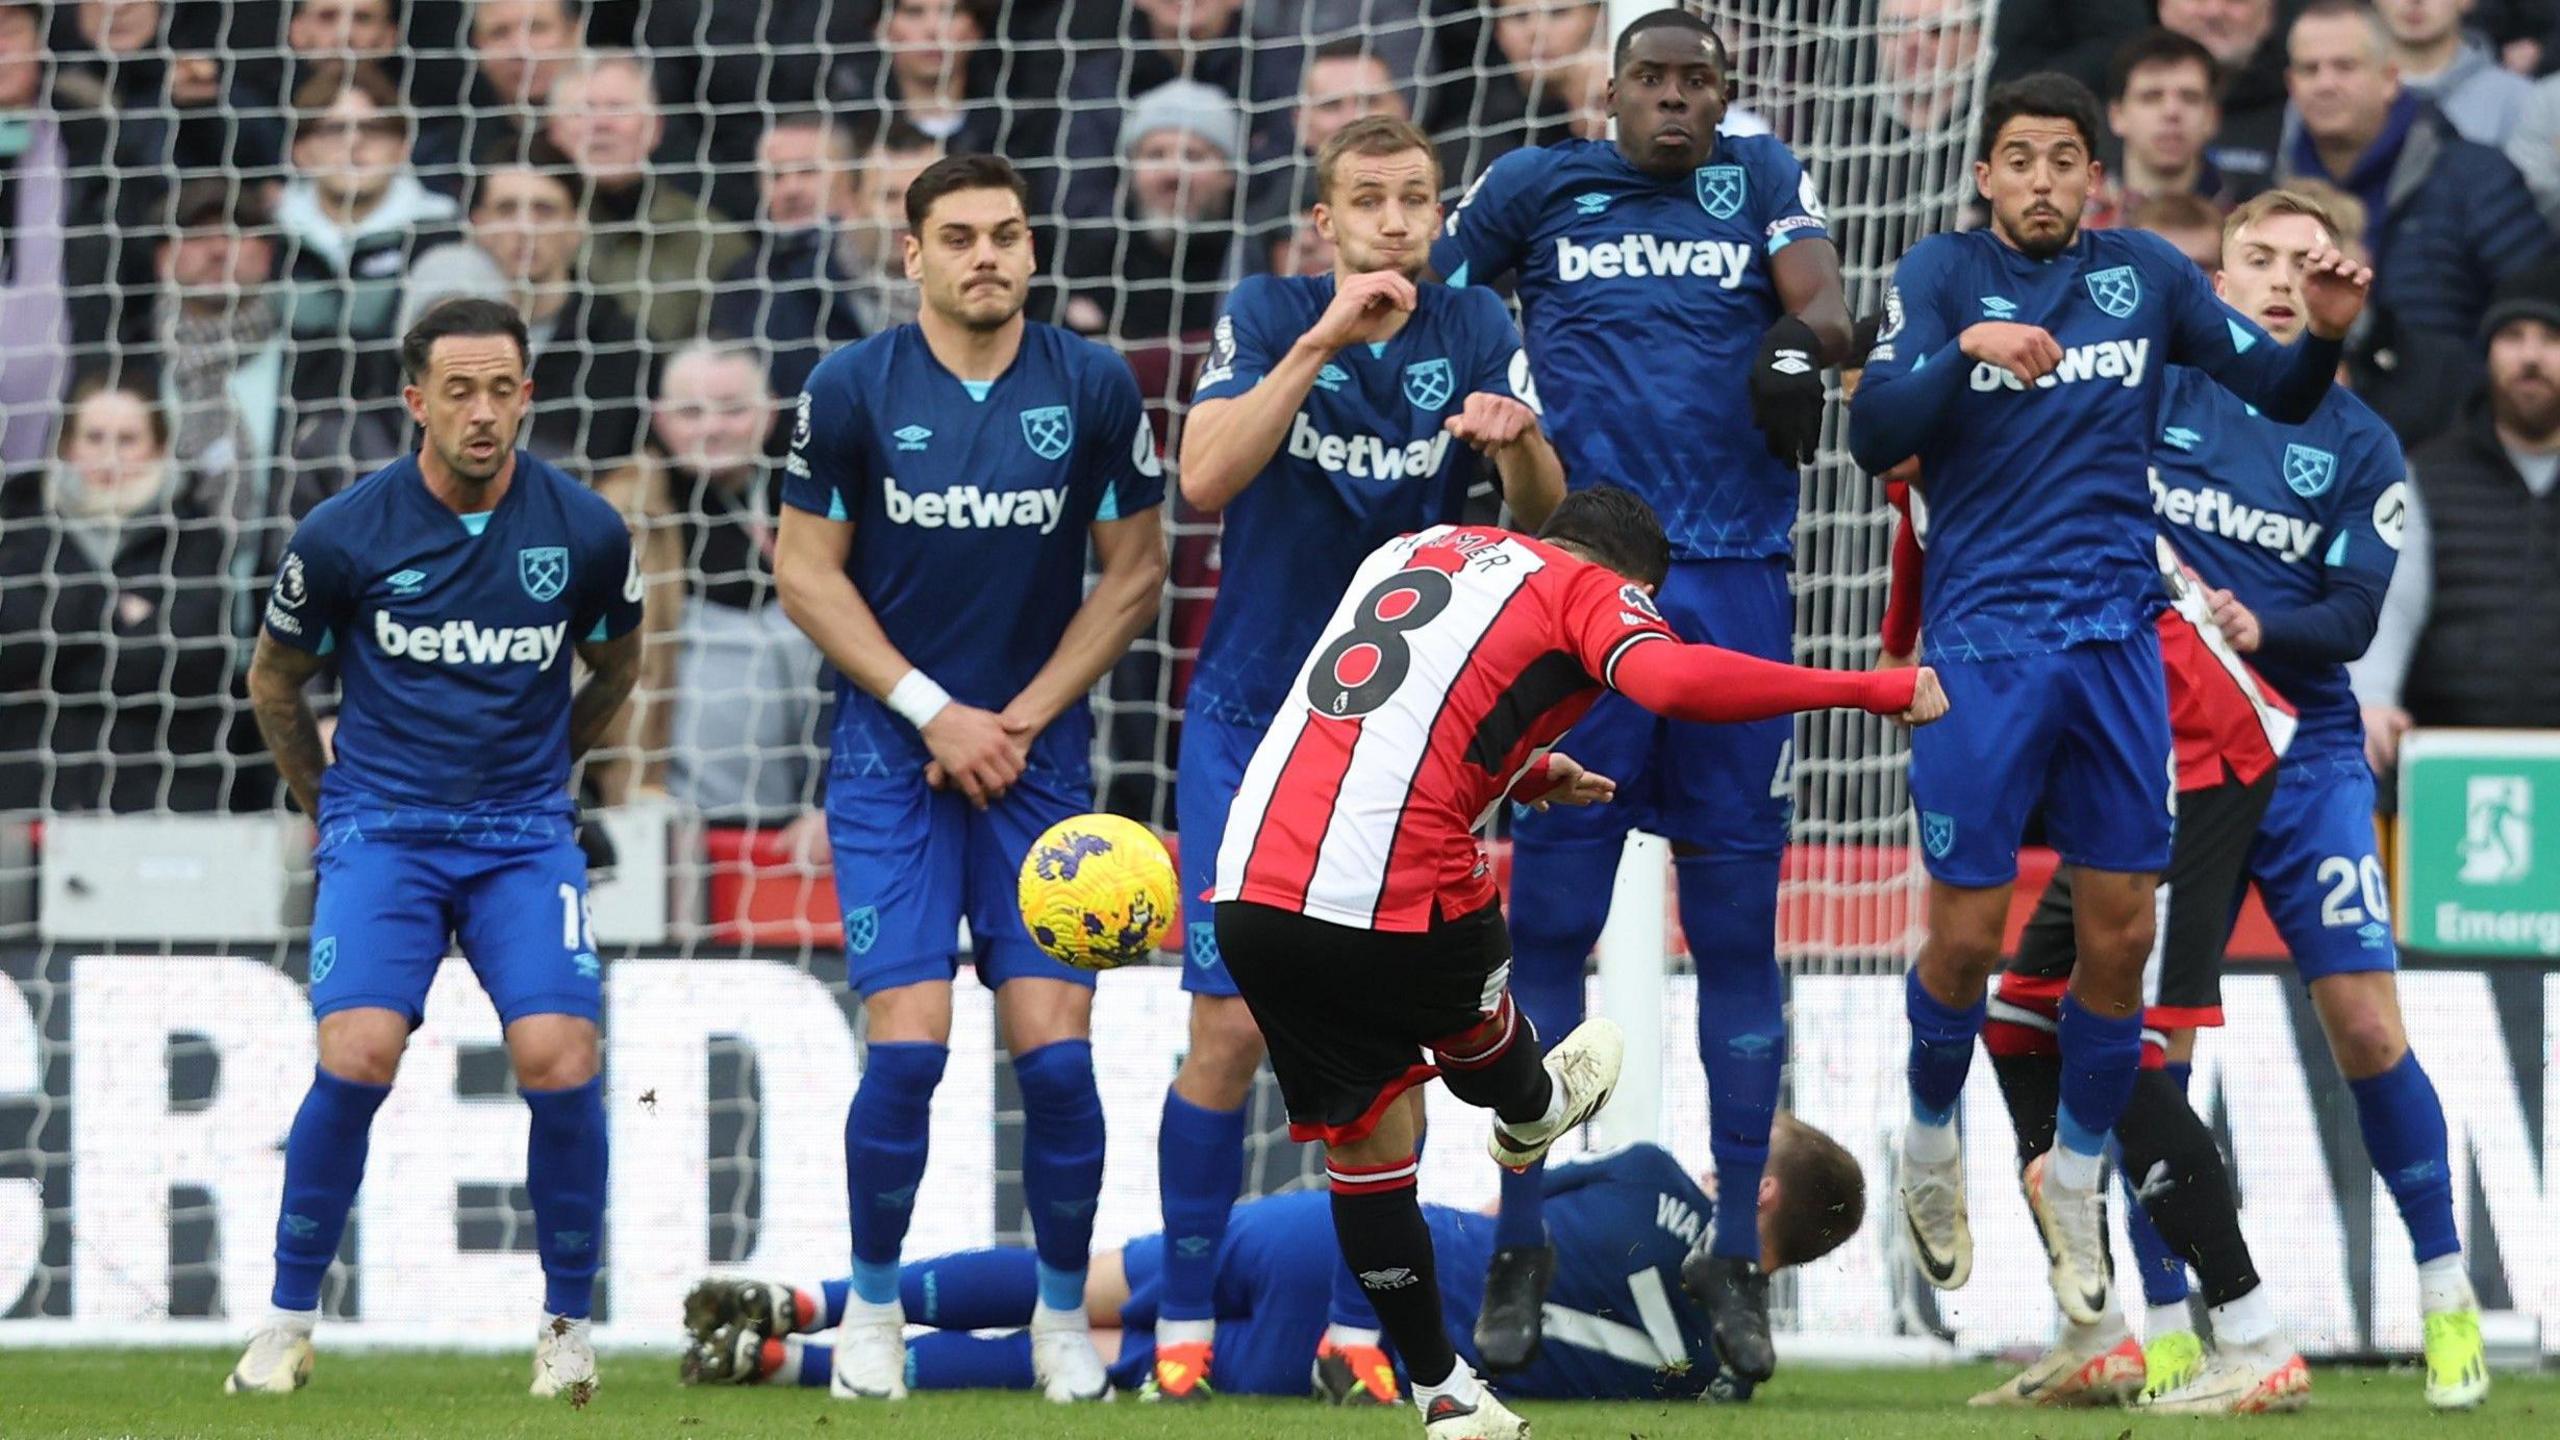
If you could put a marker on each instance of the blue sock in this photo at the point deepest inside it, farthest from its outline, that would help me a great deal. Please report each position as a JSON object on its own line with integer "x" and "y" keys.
{"x": 972, "y": 1290}
{"x": 2164, "y": 1275}
{"x": 1061, "y": 1163}
{"x": 2101, "y": 1056}
{"x": 831, "y": 1297}
{"x": 1347, "y": 1304}
{"x": 1199, "y": 1173}
{"x": 885, "y": 1135}
{"x": 1729, "y": 909}
{"x": 817, "y": 1364}
{"x": 1941, "y": 1051}
{"x": 323, "y": 1165}
{"x": 564, "y": 1174}
{"x": 2403, "y": 1125}
{"x": 1559, "y": 901}
{"x": 951, "y": 1361}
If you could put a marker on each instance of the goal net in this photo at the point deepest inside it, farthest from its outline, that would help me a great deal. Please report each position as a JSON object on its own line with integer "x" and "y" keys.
{"x": 224, "y": 240}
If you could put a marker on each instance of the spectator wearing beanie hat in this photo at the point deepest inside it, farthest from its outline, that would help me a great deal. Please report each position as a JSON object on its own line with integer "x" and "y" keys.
{"x": 1162, "y": 267}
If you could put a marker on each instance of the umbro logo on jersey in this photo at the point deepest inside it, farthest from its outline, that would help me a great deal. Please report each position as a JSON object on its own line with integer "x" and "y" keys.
{"x": 1639, "y": 257}
{"x": 966, "y": 507}
{"x": 2212, "y": 510}
{"x": 468, "y": 642}
{"x": 1590, "y": 202}
{"x": 2182, "y": 437}
{"x": 1332, "y": 378}
{"x": 1996, "y": 308}
{"x": 1394, "y": 1277}
{"x": 911, "y": 437}
{"x": 405, "y": 584}
{"x": 1791, "y": 362}
{"x": 2123, "y": 361}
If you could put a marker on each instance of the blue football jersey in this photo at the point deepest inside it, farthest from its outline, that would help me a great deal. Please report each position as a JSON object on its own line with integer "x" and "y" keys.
{"x": 2278, "y": 515}
{"x": 2039, "y": 526}
{"x": 1644, "y": 301}
{"x": 1364, "y": 462}
{"x": 969, "y": 502}
{"x": 454, "y": 635}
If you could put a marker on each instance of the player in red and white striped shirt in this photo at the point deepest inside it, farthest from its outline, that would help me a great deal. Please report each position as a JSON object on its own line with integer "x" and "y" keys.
{"x": 1356, "y": 906}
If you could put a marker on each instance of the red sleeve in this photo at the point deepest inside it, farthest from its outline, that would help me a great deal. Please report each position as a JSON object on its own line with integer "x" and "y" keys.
{"x": 1720, "y": 687}
{"x": 1607, "y": 617}
{"x": 1901, "y": 630}
{"x": 1533, "y": 782}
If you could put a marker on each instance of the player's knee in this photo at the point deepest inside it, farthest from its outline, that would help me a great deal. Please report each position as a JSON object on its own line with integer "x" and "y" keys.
{"x": 353, "y": 1046}
{"x": 2365, "y": 1036}
{"x": 1226, "y": 1049}
{"x": 1966, "y": 952}
{"x": 557, "y": 1056}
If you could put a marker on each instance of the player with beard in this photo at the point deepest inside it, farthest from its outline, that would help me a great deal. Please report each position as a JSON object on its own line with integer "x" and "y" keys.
{"x": 2022, "y": 365}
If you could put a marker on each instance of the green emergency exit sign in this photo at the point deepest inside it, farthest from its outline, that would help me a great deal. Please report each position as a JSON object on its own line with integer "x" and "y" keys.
{"x": 2479, "y": 860}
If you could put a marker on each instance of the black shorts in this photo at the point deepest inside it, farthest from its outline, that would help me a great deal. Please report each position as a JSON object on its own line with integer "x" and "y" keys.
{"x": 1349, "y": 1013}
{"x": 2200, "y": 895}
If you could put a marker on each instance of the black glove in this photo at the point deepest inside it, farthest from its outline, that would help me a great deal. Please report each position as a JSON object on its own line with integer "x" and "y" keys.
{"x": 1786, "y": 390}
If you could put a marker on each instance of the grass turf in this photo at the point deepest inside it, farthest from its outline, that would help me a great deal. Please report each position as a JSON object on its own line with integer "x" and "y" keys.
{"x": 176, "y": 1395}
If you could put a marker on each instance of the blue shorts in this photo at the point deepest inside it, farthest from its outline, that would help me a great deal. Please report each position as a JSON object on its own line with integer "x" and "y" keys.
{"x": 911, "y": 862}
{"x": 1210, "y": 770}
{"x": 1726, "y": 789}
{"x": 513, "y": 890}
{"x": 1275, "y": 1287}
{"x": 2085, "y": 731}
{"x": 2316, "y": 867}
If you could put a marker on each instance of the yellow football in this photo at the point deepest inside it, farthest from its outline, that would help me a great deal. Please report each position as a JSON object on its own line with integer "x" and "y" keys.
{"x": 1098, "y": 892}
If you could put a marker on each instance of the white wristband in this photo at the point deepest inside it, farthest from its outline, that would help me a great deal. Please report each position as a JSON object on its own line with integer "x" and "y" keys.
{"x": 917, "y": 698}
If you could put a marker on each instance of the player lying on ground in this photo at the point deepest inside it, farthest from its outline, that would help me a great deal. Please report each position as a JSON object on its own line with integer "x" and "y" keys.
{"x": 2021, "y": 365}
{"x": 452, "y": 586}
{"x": 2229, "y": 727}
{"x": 1674, "y": 281}
{"x": 944, "y": 482}
{"x": 1335, "y": 413}
{"x": 1621, "y": 1327}
{"x": 2300, "y": 526}
{"x": 1356, "y": 905}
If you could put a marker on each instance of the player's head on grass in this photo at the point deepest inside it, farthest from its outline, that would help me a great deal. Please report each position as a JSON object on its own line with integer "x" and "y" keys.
{"x": 1378, "y": 183}
{"x": 969, "y": 240}
{"x": 1610, "y": 526}
{"x": 1812, "y": 1196}
{"x": 2266, "y": 251}
{"x": 1668, "y": 82}
{"x": 2038, "y": 161}
{"x": 465, "y": 362}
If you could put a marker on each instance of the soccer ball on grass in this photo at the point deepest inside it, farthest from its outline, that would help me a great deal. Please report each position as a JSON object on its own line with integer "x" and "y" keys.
{"x": 1098, "y": 892}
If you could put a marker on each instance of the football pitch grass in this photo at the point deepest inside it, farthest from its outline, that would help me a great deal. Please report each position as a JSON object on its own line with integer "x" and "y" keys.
{"x": 176, "y": 1395}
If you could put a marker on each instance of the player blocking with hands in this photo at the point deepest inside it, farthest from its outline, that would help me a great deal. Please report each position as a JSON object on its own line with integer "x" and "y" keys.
{"x": 453, "y": 587}
{"x": 943, "y": 483}
{"x": 2021, "y": 365}
{"x": 1672, "y": 281}
{"x": 1335, "y": 413}
{"x": 1356, "y": 907}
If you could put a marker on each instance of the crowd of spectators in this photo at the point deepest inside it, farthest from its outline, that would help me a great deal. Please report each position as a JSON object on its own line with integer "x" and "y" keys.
{"x": 216, "y": 217}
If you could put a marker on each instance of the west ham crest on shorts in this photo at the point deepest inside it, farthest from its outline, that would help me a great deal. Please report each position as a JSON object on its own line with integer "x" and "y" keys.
{"x": 2116, "y": 289}
{"x": 861, "y": 929}
{"x": 324, "y": 957}
{"x": 1428, "y": 384}
{"x": 544, "y": 569}
{"x": 1048, "y": 430}
{"x": 1937, "y": 833}
{"x": 1720, "y": 190}
{"x": 2308, "y": 471}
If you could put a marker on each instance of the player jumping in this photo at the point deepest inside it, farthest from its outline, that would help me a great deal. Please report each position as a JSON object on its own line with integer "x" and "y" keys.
{"x": 453, "y": 586}
{"x": 2021, "y": 365}
{"x": 2300, "y": 527}
{"x": 1356, "y": 905}
{"x": 1322, "y": 427}
{"x": 1672, "y": 281}
{"x": 942, "y": 484}
{"x": 1623, "y": 1223}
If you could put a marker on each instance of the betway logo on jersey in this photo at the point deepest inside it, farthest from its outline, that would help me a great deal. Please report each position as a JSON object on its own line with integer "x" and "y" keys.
{"x": 2213, "y": 511}
{"x": 468, "y": 642}
{"x": 966, "y": 507}
{"x": 1368, "y": 457}
{"x": 2123, "y": 361}
{"x": 1639, "y": 257}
